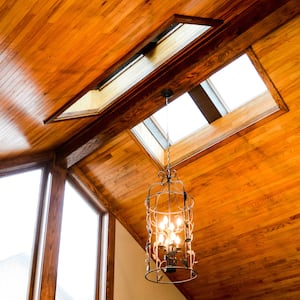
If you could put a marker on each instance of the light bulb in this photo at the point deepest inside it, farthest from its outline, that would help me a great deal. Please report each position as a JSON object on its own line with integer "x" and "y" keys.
{"x": 178, "y": 222}
{"x": 161, "y": 239}
{"x": 177, "y": 240}
{"x": 173, "y": 236}
{"x": 172, "y": 226}
{"x": 161, "y": 226}
{"x": 165, "y": 220}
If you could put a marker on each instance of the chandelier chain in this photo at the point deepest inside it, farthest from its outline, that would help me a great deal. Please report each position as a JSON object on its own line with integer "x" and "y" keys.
{"x": 168, "y": 139}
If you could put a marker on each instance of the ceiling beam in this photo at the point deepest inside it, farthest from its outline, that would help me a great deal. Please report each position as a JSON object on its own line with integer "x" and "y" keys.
{"x": 181, "y": 74}
{"x": 26, "y": 162}
{"x": 205, "y": 104}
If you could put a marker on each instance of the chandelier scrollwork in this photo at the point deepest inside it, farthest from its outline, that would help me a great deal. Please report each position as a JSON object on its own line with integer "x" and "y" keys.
{"x": 169, "y": 223}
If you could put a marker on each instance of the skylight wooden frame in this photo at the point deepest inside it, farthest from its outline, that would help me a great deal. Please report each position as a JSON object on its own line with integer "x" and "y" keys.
{"x": 252, "y": 114}
{"x": 146, "y": 47}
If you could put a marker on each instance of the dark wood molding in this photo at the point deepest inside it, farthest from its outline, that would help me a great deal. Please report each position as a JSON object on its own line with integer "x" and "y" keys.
{"x": 24, "y": 162}
{"x": 53, "y": 231}
{"x": 110, "y": 274}
{"x": 195, "y": 65}
{"x": 205, "y": 104}
{"x": 38, "y": 234}
{"x": 267, "y": 80}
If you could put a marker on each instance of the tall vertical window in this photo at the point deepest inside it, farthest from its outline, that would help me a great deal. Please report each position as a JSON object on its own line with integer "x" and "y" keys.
{"x": 77, "y": 264}
{"x": 19, "y": 201}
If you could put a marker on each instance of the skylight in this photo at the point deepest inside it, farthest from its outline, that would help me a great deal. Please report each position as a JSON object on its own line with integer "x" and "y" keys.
{"x": 148, "y": 59}
{"x": 236, "y": 94}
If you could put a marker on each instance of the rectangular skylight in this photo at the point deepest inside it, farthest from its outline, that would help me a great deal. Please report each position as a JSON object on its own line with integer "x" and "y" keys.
{"x": 236, "y": 94}
{"x": 161, "y": 49}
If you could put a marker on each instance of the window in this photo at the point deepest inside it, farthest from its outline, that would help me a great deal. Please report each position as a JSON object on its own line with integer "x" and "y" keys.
{"x": 24, "y": 224}
{"x": 78, "y": 248}
{"x": 229, "y": 101}
{"x": 19, "y": 205}
{"x": 181, "y": 32}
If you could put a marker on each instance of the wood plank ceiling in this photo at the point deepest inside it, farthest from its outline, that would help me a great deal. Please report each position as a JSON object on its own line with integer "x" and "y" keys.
{"x": 247, "y": 211}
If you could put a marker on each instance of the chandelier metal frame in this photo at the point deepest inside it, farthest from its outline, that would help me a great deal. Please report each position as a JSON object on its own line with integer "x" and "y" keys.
{"x": 169, "y": 223}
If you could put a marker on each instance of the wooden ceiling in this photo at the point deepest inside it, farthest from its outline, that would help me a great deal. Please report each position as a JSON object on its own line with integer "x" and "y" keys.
{"x": 247, "y": 197}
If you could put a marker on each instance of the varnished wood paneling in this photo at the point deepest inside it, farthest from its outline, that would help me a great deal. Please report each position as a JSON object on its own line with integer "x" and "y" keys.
{"x": 190, "y": 68}
{"x": 52, "y": 51}
{"x": 247, "y": 211}
{"x": 246, "y": 192}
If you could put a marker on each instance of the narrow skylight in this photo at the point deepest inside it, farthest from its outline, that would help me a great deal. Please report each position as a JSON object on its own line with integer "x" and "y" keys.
{"x": 237, "y": 83}
{"x": 141, "y": 65}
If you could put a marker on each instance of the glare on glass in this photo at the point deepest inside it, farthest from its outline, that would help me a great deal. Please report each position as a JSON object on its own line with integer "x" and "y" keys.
{"x": 78, "y": 249}
{"x": 19, "y": 200}
{"x": 182, "y": 116}
{"x": 238, "y": 83}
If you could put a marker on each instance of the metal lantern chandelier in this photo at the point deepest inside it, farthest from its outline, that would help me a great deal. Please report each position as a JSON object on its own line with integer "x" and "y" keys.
{"x": 169, "y": 218}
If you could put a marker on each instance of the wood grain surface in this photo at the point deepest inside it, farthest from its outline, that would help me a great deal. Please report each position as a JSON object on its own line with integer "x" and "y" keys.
{"x": 246, "y": 189}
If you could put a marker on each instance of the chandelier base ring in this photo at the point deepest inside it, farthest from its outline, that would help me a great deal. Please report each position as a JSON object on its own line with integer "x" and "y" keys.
{"x": 159, "y": 279}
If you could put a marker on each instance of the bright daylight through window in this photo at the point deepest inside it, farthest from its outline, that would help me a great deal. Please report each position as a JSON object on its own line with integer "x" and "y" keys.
{"x": 77, "y": 265}
{"x": 153, "y": 55}
{"x": 236, "y": 91}
{"x": 19, "y": 201}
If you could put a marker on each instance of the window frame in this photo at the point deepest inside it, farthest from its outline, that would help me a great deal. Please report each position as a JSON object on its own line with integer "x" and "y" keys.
{"x": 220, "y": 132}
{"x": 105, "y": 244}
{"x": 105, "y": 233}
{"x": 35, "y": 265}
{"x": 136, "y": 54}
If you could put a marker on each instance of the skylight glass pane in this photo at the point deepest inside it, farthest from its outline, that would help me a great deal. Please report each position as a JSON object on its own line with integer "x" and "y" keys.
{"x": 183, "y": 118}
{"x": 238, "y": 83}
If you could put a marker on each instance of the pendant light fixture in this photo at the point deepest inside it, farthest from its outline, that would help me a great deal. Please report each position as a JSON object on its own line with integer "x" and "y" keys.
{"x": 169, "y": 217}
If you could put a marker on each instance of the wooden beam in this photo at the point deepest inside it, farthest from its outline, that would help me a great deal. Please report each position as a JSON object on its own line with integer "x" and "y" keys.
{"x": 53, "y": 230}
{"x": 110, "y": 274}
{"x": 192, "y": 67}
{"x": 33, "y": 288}
{"x": 25, "y": 162}
{"x": 205, "y": 104}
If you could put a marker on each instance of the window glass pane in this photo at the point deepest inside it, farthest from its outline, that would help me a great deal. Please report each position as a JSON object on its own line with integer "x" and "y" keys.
{"x": 78, "y": 249}
{"x": 183, "y": 118}
{"x": 19, "y": 199}
{"x": 238, "y": 83}
{"x": 96, "y": 100}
